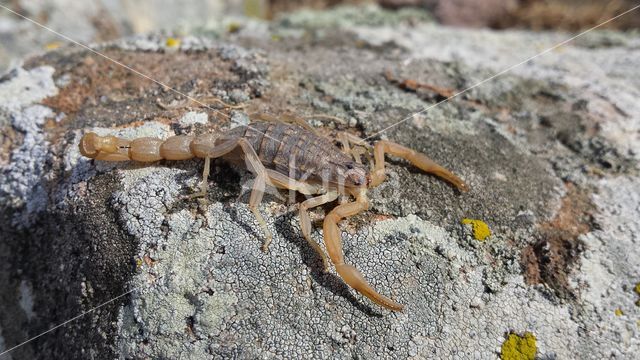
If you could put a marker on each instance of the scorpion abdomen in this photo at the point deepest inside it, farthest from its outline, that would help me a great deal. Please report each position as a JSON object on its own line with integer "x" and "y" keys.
{"x": 292, "y": 150}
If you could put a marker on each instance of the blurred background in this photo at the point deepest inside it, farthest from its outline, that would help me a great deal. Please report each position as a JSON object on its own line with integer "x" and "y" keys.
{"x": 104, "y": 20}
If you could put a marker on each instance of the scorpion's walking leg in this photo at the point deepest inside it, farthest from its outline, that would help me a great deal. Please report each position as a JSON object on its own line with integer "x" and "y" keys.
{"x": 305, "y": 221}
{"x": 202, "y": 148}
{"x": 258, "y": 188}
{"x": 204, "y": 185}
{"x": 360, "y": 147}
{"x": 283, "y": 118}
{"x": 293, "y": 119}
{"x": 346, "y": 147}
{"x": 333, "y": 242}
{"x": 419, "y": 160}
{"x": 285, "y": 182}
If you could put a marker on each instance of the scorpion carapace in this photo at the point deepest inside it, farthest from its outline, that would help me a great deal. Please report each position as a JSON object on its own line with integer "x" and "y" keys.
{"x": 288, "y": 156}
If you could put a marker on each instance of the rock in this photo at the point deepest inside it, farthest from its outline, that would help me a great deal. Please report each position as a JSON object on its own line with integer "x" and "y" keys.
{"x": 549, "y": 150}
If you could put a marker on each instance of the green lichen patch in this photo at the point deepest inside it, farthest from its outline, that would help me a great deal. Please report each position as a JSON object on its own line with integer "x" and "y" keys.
{"x": 517, "y": 347}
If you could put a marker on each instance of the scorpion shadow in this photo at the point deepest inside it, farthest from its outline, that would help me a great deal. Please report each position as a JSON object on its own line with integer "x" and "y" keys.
{"x": 237, "y": 219}
{"x": 310, "y": 258}
{"x": 313, "y": 261}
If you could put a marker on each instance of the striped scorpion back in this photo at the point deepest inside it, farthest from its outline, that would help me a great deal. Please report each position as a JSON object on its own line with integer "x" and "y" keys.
{"x": 291, "y": 149}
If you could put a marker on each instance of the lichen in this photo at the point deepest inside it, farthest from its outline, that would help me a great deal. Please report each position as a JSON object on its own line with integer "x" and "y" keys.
{"x": 172, "y": 42}
{"x": 637, "y": 288}
{"x": 52, "y": 45}
{"x": 618, "y": 312}
{"x": 234, "y": 27}
{"x": 480, "y": 229}
{"x": 517, "y": 347}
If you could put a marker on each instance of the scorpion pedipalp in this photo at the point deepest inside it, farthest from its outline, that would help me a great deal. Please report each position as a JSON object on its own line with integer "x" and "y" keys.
{"x": 333, "y": 242}
{"x": 419, "y": 160}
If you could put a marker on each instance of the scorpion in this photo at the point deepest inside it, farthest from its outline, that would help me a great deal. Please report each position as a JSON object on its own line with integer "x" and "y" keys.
{"x": 291, "y": 156}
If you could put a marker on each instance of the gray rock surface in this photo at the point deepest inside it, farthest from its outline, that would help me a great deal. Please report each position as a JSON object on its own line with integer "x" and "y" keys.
{"x": 550, "y": 151}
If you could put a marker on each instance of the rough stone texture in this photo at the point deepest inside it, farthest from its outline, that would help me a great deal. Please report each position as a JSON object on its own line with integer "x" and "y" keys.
{"x": 549, "y": 150}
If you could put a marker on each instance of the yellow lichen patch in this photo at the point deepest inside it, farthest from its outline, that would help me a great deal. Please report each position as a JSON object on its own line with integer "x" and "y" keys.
{"x": 172, "y": 42}
{"x": 618, "y": 312}
{"x": 234, "y": 27}
{"x": 53, "y": 45}
{"x": 637, "y": 288}
{"x": 138, "y": 263}
{"x": 480, "y": 228}
{"x": 517, "y": 347}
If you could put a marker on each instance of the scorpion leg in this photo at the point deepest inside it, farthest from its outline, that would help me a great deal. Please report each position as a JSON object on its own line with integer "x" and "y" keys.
{"x": 355, "y": 140}
{"x": 253, "y": 164}
{"x": 344, "y": 141}
{"x": 419, "y": 160}
{"x": 361, "y": 147}
{"x": 293, "y": 119}
{"x": 204, "y": 185}
{"x": 346, "y": 147}
{"x": 258, "y": 188}
{"x": 285, "y": 182}
{"x": 333, "y": 241}
{"x": 284, "y": 118}
{"x": 305, "y": 221}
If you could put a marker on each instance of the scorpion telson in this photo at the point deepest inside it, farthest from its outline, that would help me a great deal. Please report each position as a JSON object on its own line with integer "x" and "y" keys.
{"x": 289, "y": 156}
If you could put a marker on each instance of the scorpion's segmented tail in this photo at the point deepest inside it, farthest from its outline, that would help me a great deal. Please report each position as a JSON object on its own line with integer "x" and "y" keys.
{"x": 146, "y": 149}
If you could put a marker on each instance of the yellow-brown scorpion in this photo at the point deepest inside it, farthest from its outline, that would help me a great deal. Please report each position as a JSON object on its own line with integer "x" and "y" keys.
{"x": 288, "y": 155}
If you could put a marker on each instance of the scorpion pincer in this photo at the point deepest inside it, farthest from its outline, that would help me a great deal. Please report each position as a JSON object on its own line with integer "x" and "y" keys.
{"x": 289, "y": 156}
